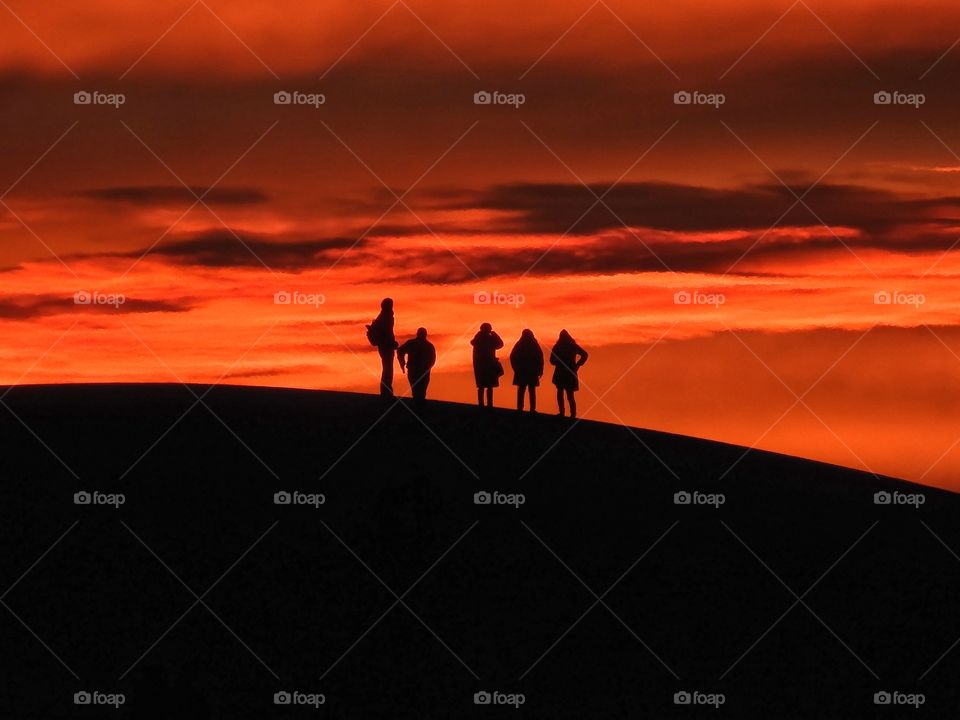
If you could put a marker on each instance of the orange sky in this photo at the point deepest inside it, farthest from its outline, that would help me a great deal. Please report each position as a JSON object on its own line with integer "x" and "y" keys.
{"x": 398, "y": 184}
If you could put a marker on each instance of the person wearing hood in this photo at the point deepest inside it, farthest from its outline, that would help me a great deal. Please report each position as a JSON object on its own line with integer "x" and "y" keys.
{"x": 567, "y": 358}
{"x": 526, "y": 360}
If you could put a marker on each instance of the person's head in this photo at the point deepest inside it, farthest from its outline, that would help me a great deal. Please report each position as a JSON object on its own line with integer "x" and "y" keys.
{"x": 486, "y": 327}
{"x": 527, "y": 335}
{"x": 421, "y": 333}
{"x": 565, "y": 337}
{"x": 386, "y": 304}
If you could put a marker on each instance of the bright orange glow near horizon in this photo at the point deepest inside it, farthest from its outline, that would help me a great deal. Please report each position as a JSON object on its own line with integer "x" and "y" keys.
{"x": 812, "y": 226}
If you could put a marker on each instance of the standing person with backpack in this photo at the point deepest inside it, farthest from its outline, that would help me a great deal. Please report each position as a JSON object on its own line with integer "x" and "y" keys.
{"x": 486, "y": 368}
{"x": 567, "y": 357}
{"x": 380, "y": 334}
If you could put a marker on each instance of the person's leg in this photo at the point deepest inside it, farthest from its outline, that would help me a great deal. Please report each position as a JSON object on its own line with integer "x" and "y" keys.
{"x": 420, "y": 389}
{"x": 573, "y": 403}
{"x": 489, "y": 397}
{"x": 533, "y": 398}
{"x": 386, "y": 374}
{"x": 520, "y": 390}
{"x": 560, "y": 400}
{"x": 480, "y": 396}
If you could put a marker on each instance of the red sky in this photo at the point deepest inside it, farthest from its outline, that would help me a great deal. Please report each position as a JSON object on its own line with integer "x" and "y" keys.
{"x": 798, "y": 199}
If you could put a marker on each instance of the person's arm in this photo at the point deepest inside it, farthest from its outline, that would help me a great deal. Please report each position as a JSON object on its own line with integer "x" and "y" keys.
{"x": 583, "y": 356}
{"x": 539, "y": 361}
{"x": 433, "y": 356}
{"x": 498, "y": 341}
{"x": 402, "y": 357}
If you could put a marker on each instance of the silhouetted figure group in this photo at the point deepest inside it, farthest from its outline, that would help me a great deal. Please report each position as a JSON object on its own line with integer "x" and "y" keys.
{"x": 417, "y": 357}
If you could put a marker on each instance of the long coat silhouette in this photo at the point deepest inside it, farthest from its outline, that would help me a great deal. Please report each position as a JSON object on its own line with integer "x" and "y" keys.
{"x": 486, "y": 368}
{"x": 526, "y": 359}
{"x": 567, "y": 357}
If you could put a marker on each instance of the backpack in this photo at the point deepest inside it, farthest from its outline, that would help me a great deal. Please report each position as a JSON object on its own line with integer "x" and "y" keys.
{"x": 373, "y": 334}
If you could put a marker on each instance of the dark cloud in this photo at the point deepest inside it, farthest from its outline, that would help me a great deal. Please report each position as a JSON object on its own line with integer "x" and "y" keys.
{"x": 224, "y": 249}
{"x": 29, "y": 307}
{"x": 624, "y": 252}
{"x": 557, "y": 208}
{"x": 167, "y": 194}
{"x": 598, "y": 242}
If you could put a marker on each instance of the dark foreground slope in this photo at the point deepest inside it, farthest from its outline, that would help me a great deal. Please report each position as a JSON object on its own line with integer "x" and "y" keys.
{"x": 400, "y": 597}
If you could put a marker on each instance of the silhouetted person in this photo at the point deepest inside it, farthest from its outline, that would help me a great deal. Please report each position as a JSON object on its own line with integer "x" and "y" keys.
{"x": 486, "y": 368}
{"x": 567, "y": 357}
{"x": 526, "y": 359}
{"x": 380, "y": 334}
{"x": 417, "y": 357}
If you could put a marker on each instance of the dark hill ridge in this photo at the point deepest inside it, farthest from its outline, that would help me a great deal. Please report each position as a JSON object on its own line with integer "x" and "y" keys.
{"x": 692, "y": 597}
